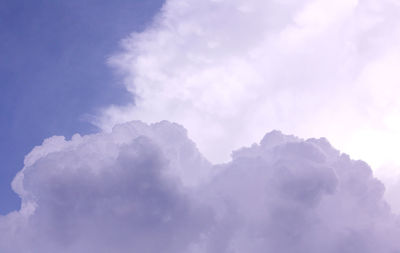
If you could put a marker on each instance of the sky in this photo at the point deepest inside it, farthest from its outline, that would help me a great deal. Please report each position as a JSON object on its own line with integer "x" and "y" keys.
{"x": 200, "y": 126}
{"x": 53, "y": 71}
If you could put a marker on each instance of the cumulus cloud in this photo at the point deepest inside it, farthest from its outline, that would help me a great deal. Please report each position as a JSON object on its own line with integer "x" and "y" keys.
{"x": 117, "y": 192}
{"x": 132, "y": 190}
{"x": 229, "y": 70}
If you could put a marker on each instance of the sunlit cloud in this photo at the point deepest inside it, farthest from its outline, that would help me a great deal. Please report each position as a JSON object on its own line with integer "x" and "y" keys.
{"x": 227, "y": 72}
{"x": 133, "y": 190}
{"x": 230, "y": 70}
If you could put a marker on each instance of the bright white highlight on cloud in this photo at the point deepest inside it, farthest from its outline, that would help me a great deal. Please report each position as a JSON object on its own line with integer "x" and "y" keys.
{"x": 132, "y": 190}
{"x": 230, "y": 70}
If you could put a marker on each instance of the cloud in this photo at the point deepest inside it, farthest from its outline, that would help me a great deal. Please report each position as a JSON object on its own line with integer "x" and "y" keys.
{"x": 229, "y": 70}
{"x": 132, "y": 190}
{"x": 113, "y": 192}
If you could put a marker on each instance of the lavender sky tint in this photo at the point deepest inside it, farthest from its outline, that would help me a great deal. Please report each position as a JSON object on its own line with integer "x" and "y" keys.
{"x": 175, "y": 149}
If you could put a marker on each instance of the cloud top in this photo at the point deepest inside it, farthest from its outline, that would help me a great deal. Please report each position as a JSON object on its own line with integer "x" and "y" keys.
{"x": 234, "y": 69}
{"x": 146, "y": 188}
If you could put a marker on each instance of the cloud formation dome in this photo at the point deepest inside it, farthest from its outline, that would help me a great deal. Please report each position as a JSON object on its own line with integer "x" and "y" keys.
{"x": 146, "y": 188}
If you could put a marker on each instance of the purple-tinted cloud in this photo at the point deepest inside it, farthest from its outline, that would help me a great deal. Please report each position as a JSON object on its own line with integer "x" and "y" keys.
{"x": 146, "y": 188}
{"x": 231, "y": 70}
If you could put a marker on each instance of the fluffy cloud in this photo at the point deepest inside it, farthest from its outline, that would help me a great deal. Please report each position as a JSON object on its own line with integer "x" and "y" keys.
{"x": 290, "y": 195}
{"x": 133, "y": 190}
{"x": 229, "y": 70}
{"x": 108, "y": 193}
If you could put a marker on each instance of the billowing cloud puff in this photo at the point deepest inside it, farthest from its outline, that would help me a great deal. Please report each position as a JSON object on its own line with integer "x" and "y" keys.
{"x": 230, "y": 70}
{"x": 114, "y": 192}
{"x": 290, "y": 195}
{"x": 146, "y": 188}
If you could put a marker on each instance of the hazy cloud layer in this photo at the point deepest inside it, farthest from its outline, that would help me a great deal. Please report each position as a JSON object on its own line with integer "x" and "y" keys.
{"x": 229, "y": 70}
{"x": 133, "y": 190}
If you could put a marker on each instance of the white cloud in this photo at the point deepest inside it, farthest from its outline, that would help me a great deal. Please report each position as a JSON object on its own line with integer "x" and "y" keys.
{"x": 130, "y": 190}
{"x": 229, "y": 70}
{"x": 113, "y": 192}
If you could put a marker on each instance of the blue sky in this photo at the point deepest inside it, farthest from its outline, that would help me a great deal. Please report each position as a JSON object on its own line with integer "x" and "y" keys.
{"x": 193, "y": 165}
{"x": 53, "y": 71}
